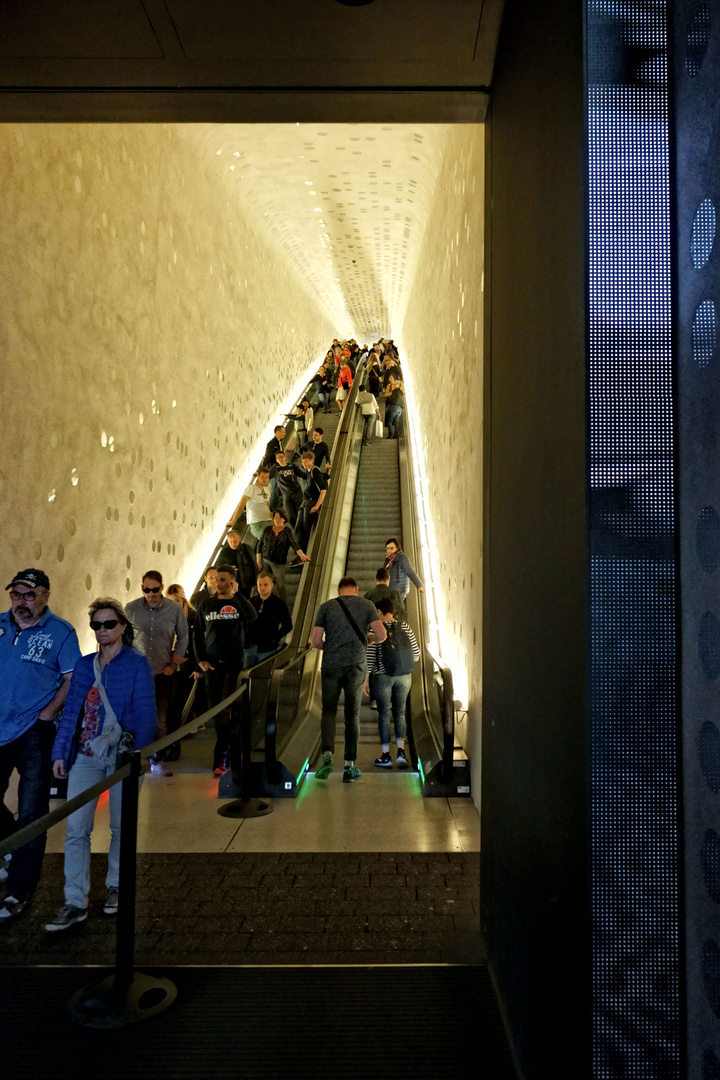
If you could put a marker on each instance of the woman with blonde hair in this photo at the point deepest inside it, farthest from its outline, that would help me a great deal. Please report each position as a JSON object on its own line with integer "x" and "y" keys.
{"x": 110, "y": 707}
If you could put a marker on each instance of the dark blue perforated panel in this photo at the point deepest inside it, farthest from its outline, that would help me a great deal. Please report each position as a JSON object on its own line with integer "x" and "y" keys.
{"x": 632, "y": 550}
{"x": 696, "y": 68}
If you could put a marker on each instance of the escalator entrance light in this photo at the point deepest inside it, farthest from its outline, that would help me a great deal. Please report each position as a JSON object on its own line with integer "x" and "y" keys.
{"x": 303, "y": 770}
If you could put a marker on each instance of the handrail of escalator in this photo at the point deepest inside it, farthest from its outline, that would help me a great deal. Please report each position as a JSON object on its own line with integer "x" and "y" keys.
{"x": 446, "y": 679}
{"x": 278, "y": 673}
{"x": 448, "y": 716}
{"x": 312, "y": 575}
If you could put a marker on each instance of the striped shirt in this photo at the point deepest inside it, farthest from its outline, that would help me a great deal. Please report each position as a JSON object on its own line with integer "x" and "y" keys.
{"x": 374, "y": 651}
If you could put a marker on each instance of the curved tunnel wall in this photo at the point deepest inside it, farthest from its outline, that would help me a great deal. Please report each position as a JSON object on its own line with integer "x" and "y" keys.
{"x": 149, "y": 339}
{"x": 442, "y": 340}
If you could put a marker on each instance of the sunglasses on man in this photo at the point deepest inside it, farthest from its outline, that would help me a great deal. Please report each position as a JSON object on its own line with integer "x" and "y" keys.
{"x": 151, "y": 588}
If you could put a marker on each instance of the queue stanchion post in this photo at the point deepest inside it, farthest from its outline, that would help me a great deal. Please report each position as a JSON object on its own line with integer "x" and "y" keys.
{"x": 126, "y": 996}
{"x": 240, "y": 751}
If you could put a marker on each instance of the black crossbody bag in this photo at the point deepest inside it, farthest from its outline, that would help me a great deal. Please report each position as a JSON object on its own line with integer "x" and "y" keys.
{"x": 362, "y": 638}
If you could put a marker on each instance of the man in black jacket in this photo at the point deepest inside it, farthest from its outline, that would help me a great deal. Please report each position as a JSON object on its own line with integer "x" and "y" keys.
{"x": 275, "y": 444}
{"x": 315, "y": 490}
{"x": 236, "y": 553}
{"x": 219, "y": 634}
{"x": 272, "y": 624}
{"x": 287, "y": 473}
{"x": 319, "y": 449}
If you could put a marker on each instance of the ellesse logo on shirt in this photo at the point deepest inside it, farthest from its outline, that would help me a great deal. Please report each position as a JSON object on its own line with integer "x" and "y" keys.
{"x": 227, "y": 611}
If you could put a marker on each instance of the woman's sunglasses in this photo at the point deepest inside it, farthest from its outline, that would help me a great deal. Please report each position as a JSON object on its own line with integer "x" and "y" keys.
{"x": 109, "y": 624}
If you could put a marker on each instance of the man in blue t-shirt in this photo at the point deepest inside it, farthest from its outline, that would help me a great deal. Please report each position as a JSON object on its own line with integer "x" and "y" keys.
{"x": 341, "y": 631}
{"x": 38, "y": 651}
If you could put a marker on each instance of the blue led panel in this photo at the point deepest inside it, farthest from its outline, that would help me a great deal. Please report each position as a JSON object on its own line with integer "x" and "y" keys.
{"x": 632, "y": 570}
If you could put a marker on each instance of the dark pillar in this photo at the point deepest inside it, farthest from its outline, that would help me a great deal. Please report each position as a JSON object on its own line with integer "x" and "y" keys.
{"x": 534, "y": 798}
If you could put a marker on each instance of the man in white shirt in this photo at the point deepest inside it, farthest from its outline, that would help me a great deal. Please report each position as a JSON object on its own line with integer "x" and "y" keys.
{"x": 256, "y": 498}
{"x": 371, "y": 412}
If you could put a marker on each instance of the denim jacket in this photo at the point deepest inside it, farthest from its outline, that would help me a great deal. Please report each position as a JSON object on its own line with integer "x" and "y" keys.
{"x": 130, "y": 686}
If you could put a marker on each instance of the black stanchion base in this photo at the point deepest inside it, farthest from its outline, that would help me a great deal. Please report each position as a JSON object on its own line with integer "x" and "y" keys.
{"x": 103, "y": 1005}
{"x": 251, "y": 808}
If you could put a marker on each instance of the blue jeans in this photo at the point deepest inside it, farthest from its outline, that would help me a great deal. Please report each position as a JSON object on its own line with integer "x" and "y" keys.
{"x": 393, "y": 420}
{"x": 351, "y": 679}
{"x": 369, "y": 427}
{"x": 85, "y": 772}
{"x": 391, "y": 692}
{"x": 252, "y": 656}
{"x": 30, "y": 755}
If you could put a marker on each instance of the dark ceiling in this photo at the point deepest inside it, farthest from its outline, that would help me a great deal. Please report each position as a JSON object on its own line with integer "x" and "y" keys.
{"x": 92, "y": 59}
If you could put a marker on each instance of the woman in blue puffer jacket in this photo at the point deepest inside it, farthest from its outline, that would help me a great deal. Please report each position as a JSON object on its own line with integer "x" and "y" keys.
{"x": 401, "y": 572}
{"x": 112, "y": 692}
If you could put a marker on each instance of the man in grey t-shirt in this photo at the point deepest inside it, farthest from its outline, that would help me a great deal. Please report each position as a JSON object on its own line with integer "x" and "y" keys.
{"x": 341, "y": 631}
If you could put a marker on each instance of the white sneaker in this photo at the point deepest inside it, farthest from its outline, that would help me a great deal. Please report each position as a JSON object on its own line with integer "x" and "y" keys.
{"x": 159, "y": 768}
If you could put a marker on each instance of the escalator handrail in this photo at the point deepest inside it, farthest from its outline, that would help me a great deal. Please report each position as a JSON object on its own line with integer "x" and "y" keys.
{"x": 276, "y": 679}
{"x": 446, "y": 680}
{"x": 313, "y": 572}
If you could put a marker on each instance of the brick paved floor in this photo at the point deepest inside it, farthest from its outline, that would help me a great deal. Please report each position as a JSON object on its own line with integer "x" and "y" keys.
{"x": 249, "y": 908}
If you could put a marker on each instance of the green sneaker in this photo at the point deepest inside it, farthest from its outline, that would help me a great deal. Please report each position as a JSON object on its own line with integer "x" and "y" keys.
{"x": 325, "y": 767}
{"x": 350, "y": 773}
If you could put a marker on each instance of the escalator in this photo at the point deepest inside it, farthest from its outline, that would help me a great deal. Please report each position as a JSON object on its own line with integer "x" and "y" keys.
{"x": 371, "y": 499}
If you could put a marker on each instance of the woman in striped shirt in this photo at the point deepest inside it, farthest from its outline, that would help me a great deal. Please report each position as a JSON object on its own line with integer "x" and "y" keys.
{"x": 391, "y": 690}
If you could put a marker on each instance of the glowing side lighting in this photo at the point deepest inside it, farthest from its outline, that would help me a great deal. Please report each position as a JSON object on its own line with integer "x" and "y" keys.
{"x": 441, "y": 644}
{"x": 303, "y": 770}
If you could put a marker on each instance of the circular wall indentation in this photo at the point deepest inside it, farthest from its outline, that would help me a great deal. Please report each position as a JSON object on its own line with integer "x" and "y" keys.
{"x": 142, "y": 522}
{"x": 711, "y": 974}
{"x": 707, "y": 539}
{"x": 108, "y": 512}
{"x": 704, "y": 333}
{"x": 131, "y": 496}
{"x": 698, "y": 37}
{"x": 37, "y": 549}
{"x": 153, "y": 545}
{"x": 709, "y": 754}
{"x": 709, "y": 645}
{"x": 128, "y": 562}
{"x": 72, "y": 527}
{"x": 710, "y": 862}
{"x": 127, "y": 584}
{"x": 88, "y": 582}
{"x": 703, "y": 233}
{"x": 131, "y": 518}
{"x": 60, "y": 553}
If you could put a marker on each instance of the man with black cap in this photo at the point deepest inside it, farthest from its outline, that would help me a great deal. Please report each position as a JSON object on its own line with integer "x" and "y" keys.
{"x": 38, "y": 651}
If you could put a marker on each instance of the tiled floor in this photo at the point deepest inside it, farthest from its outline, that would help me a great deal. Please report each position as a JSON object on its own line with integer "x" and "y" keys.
{"x": 383, "y": 811}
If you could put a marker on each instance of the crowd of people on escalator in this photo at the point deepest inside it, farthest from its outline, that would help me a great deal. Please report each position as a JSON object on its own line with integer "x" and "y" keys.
{"x": 150, "y": 652}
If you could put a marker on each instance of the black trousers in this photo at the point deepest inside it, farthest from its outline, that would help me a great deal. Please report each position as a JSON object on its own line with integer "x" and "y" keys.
{"x": 219, "y": 683}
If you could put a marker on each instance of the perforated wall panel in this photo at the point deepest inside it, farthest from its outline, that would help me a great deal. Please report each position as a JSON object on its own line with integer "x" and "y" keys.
{"x": 696, "y": 69}
{"x": 633, "y": 609}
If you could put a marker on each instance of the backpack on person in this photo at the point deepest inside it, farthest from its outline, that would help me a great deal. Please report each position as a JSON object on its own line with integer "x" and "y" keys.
{"x": 397, "y": 654}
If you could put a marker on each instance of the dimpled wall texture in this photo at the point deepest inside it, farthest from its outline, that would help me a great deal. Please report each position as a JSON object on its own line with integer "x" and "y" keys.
{"x": 149, "y": 339}
{"x": 441, "y": 339}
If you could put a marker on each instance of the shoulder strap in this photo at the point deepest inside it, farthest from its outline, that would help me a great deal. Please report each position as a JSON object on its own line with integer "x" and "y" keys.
{"x": 348, "y": 616}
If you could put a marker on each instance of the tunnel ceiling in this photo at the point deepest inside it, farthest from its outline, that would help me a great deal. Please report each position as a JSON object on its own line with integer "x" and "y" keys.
{"x": 346, "y": 203}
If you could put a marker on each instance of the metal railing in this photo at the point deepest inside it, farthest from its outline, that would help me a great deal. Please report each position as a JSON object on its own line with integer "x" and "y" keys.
{"x": 127, "y": 995}
{"x": 434, "y": 672}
